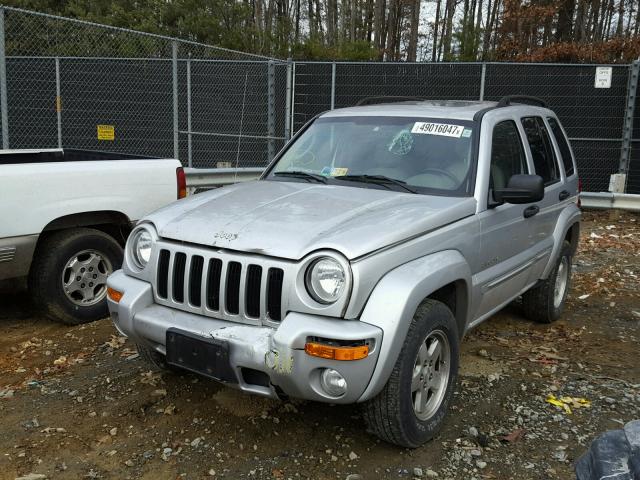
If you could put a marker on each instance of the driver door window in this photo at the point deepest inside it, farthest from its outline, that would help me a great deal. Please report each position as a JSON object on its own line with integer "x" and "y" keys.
{"x": 507, "y": 154}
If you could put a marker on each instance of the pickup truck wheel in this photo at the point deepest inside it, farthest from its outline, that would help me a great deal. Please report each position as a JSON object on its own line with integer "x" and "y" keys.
{"x": 68, "y": 278}
{"x": 410, "y": 409}
{"x": 545, "y": 302}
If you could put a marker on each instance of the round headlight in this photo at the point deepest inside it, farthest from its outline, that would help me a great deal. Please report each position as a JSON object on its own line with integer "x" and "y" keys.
{"x": 326, "y": 280}
{"x": 141, "y": 248}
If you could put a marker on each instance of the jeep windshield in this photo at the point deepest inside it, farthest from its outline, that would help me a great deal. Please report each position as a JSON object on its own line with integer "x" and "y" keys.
{"x": 414, "y": 155}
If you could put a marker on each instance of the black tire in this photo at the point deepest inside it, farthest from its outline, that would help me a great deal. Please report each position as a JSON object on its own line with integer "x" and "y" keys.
{"x": 156, "y": 360}
{"x": 538, "y": 302}
{"x": 45, "y": 277}
{"x": 390, "y": 415}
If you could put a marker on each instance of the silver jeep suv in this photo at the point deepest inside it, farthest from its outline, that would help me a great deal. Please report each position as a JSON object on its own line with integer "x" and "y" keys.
{"x": 352, "y": 269}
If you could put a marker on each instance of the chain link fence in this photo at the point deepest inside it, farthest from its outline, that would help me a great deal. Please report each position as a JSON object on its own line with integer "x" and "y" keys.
{"x": 76, "y": 84}
{"x": 593, "y": 117}
{"x": 69, "y": 83}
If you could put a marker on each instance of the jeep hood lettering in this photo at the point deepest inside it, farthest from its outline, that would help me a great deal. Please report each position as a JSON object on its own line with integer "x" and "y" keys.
{"x": 292, "y": 219}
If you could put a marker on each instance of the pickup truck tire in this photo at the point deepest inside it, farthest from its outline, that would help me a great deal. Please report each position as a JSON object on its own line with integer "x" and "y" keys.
{"x": 94, "y": 255}
{"x": 393, "y": 415}
{"x": 545, "y": 302}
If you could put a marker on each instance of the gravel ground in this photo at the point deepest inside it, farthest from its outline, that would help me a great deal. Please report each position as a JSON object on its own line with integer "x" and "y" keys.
{"x": 77, "y": 402}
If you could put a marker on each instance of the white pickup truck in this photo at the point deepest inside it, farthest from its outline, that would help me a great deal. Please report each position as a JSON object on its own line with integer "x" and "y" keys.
{"x": 65, "y": 216}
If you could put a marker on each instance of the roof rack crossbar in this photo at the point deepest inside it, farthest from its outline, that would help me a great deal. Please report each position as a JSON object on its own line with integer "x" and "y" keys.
{"x": 387, "y": 99}
{"x": 509, "y": 99}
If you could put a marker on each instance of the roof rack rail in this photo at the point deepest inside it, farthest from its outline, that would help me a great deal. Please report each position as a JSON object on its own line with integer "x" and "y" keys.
{"x": 507, "y": 100}
{"x": 387, "y": 99}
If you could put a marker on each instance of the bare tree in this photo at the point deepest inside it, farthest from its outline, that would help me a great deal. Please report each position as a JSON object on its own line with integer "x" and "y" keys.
{"x": 434, "y": 53}
{"x": 412, "y": 48}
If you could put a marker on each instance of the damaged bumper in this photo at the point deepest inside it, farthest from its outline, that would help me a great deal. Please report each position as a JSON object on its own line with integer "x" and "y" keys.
{"x": 268, "y": 361}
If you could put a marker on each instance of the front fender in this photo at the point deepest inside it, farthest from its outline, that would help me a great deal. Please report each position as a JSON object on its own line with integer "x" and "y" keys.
{"x": 395, "y": 299}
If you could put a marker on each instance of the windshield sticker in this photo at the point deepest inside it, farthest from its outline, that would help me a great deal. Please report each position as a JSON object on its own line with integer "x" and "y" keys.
{"x": 442, "y": 129}
{"x": 466, "y": 133}
{"x": 334, "y": 171}
{"x": 339, "y": 171}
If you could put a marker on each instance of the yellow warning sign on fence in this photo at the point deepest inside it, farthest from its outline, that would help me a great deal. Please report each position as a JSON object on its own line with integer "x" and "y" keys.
{"x": 106, "y": 132}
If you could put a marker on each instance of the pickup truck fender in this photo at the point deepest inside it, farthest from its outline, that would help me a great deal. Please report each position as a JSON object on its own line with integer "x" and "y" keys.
{"x": 567, "y": 219}
{"x": 395, "y": 299}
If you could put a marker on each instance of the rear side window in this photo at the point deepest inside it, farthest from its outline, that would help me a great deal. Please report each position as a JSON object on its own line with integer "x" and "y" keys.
{"x": 542, "y": 152}
{"x": 563, "y": 145}
{"x": 507, "y": 154}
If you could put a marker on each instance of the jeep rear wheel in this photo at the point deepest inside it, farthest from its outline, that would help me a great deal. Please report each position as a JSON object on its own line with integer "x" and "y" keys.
{"x": 544, "y": 303}
{"x": 410, "y": 409}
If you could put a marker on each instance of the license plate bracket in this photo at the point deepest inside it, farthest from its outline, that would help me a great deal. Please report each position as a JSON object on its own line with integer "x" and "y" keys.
{"x": 205, "y": 356}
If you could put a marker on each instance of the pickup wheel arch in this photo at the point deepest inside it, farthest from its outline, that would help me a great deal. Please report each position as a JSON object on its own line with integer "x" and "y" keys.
{"x": 444, "y": 276}
{"x": 113, "y": 223}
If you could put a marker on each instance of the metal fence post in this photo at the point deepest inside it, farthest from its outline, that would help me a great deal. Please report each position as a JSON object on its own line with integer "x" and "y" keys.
{"x": 58, "y": 102}
{"x": 189, "y": 134}
{"x": 627, "y": 129}
{"x": 174, "y": 68}
{"x": 271, "y": 98}
{"x": 293, "y": 99}
{"x": 333, "y": 85}
{"x": 287, "y": 106}
{"x": 483, "y": 77}
{"x": 4, "y": 106}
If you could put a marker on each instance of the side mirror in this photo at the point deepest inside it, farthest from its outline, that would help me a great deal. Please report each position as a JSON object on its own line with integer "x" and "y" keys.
{"x": 521, "y": 189}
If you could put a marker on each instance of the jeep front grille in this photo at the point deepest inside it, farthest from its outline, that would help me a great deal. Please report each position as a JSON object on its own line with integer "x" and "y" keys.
{"x": 219, "y": 284}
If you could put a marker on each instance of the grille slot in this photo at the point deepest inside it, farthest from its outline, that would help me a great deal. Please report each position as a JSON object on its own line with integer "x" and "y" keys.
{"x": 232, "y": 300}
{"x": 163, "y": 273}
{"x": 274, "y": 293}
{"x": 252, "y": 294}
{"x": 213, "y": 284}
{"x": 195, "y": 280}
{"x": 218, "y": 284}
{"x": 179, "y": 264}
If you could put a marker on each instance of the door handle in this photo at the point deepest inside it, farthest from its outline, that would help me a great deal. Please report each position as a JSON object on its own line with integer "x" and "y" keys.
{"x": 564, "y": 194}
{"x": 531, "y": 211}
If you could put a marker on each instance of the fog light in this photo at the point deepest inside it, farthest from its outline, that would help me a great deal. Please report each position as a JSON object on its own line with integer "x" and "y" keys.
{"x": 333, "y": 383}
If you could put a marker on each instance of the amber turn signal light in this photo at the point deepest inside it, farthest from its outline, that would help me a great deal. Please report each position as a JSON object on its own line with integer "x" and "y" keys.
{"x": 114, "y": 295}
{"x": 336, "y": 353}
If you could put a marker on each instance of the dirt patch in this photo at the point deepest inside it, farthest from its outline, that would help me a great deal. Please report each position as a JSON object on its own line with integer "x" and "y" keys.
{"x": 77, "y": 402}
{"x": 241, "y": 405}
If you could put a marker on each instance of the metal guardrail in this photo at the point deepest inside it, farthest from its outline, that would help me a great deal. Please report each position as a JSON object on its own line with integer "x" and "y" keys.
{"x": 606, "y": 200}
{"x": 217, "y": 177}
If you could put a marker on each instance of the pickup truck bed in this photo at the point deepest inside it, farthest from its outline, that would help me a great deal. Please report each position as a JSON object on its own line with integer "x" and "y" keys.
{"x": 53, "y": 197}
{"x": 9, "y": 157}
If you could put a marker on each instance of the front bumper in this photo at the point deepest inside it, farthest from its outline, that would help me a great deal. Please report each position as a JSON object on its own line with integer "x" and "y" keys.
{"x": 277, "y": 352}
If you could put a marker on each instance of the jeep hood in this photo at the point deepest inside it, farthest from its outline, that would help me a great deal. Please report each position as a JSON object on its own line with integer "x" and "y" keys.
{"x": 292, "y": 219}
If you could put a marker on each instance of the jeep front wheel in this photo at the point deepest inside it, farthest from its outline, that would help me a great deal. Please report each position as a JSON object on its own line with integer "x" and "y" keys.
{"x": 410, "y": 409}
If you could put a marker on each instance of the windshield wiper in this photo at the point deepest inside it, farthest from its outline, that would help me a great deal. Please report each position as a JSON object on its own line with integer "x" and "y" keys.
{"x": 377, "y": 180}
{"x": 300, "y": 174}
